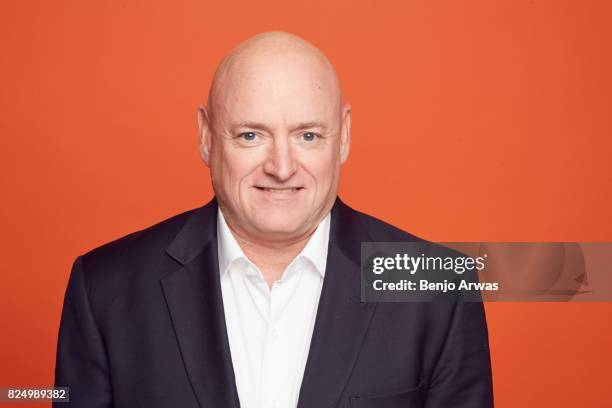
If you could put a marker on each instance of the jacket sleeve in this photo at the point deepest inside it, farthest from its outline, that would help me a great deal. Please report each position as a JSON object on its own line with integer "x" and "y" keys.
{"x": 462, "y": 376}
{"x": 81, "y": 361}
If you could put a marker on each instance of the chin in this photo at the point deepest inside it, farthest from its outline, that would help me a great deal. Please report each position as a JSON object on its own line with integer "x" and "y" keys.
{"x": 280, "y": 222}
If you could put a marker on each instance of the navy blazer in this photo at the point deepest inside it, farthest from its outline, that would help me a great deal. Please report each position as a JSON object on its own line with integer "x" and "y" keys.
{"x": 143, "y": 326}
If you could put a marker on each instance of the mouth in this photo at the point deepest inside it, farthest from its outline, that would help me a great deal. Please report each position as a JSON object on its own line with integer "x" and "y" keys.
{"x": 281, "y": 190}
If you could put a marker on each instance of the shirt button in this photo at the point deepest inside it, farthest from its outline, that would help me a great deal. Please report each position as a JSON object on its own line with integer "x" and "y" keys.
{"x": 274, "y": 333}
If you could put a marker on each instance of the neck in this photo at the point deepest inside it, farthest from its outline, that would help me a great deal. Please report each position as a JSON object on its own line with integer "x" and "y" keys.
{"x": 272, "y": 258}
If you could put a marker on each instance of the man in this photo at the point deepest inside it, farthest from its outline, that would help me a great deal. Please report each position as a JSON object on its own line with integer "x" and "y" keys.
{"x": 253, "y": 300}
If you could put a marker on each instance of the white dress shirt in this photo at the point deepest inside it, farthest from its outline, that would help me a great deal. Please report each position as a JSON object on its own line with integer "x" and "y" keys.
{"x": 270, "y": 330}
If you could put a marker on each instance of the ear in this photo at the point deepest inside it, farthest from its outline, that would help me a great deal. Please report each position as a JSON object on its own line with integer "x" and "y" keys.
{"x": 205, "y": 134}
{"x": 345, "y": 133}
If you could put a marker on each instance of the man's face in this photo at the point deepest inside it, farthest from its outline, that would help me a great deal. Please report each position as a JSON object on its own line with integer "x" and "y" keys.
{"x": 277, "y": 136}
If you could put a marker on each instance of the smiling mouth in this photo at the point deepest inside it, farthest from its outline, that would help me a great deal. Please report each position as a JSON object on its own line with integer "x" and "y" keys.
{"x": 279, "y": 190}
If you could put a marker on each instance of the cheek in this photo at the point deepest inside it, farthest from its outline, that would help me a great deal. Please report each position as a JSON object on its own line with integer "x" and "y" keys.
{"x": 322, "y": 167}
{"x": 236, "y": 166}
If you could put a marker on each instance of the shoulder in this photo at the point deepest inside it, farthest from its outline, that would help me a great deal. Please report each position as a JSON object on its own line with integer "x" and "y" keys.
{"x": 377, "y": 229}
{"x": 354, "y": 228}
{"x": 351, "y": 228}
{"x": 381, "y": 231}
{"x": 140, "y": 250}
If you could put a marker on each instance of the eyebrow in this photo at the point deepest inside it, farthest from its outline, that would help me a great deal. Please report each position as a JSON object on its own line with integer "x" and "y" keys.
{"x": 298, "y": 126}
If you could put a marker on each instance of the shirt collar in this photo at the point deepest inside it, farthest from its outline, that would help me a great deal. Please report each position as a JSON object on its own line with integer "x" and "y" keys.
{"x": 315, "y": 250}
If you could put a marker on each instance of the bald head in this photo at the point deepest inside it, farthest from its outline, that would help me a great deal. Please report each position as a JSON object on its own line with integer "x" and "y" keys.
{"x": 274, "y": 135}
{"x": 276, "y": 57}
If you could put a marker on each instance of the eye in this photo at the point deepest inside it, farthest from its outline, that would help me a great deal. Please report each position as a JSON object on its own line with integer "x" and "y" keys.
{"x": 309, "y": 136}
{"x": 248, "y": 136}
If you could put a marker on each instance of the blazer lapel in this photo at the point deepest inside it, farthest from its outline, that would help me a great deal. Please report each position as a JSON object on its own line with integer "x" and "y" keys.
{"x": 193, "y": 295}
{"x": 342, "y": 320}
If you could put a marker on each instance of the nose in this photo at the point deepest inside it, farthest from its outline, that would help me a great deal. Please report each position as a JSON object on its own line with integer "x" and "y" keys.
{"x": 280, "y": 162}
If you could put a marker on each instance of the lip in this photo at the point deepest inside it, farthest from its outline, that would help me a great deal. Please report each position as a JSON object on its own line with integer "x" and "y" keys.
{"x": 279, "y": 192}
{"x": 275, "y": 194}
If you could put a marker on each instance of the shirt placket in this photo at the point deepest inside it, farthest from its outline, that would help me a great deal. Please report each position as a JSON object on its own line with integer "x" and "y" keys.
{"x": 275, "y": 378}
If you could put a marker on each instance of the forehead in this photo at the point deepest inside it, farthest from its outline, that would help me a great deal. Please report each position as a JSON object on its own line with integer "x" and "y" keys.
{"x": 278, "y": 89}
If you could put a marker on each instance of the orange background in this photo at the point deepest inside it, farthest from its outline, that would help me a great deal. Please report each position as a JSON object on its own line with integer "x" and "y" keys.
{"x": 472, "y": 120}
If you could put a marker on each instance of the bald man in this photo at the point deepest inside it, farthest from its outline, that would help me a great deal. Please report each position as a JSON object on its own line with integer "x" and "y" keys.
{"x": 253, "y": 300}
